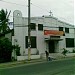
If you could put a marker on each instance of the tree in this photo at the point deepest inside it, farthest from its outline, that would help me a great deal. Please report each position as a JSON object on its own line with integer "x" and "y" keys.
{"x": 4, "y": 18}
{"x": 5, "y": 50}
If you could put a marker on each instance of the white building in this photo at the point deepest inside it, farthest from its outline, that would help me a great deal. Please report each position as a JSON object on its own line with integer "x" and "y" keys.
{"x": 47, "y": 33}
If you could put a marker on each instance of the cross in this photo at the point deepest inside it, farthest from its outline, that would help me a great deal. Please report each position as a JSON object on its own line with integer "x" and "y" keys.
{"x": 50, "y": 13}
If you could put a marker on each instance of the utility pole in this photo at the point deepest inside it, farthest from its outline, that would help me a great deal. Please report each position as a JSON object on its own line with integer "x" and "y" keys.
{"x": 29, "y": 42}
{"x": 74, "y": 37}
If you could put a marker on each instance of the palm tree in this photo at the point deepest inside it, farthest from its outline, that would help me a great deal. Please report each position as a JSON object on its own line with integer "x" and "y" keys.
{"x": 4, "y": 15}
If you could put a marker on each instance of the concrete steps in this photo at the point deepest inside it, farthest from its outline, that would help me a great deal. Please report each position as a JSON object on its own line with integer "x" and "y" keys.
{"x": 57, "y": 55}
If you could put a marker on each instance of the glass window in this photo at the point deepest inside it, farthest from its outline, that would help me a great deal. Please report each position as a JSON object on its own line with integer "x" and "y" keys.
{"x": 26, "y": 41}
{"x": 40, "y": 27}
{"x": 69, "y": 42}
{"x": 60, "y": 28}
{"x": 33, "y": 41}
{"x": 33, "y": 26}
{"x": 67, "y": 30}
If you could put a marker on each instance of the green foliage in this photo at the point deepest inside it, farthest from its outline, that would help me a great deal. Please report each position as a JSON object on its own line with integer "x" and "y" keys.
{"x": 17, "y": 49}
{"x": 4, "y": 15}
{"x": 5, "y": 50}
{"x": 64, "y": 51}
{"x": 73, "y": 51}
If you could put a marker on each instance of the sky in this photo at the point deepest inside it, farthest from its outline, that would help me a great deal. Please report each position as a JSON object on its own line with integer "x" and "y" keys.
{"x": 62, "y": 9}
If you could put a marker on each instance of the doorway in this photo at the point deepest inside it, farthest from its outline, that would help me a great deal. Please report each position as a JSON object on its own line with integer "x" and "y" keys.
{"x": 51, "y": 46}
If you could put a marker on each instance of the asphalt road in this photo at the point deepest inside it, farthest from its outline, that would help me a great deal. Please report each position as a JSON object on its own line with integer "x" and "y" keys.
{"x": 63, "y": 67}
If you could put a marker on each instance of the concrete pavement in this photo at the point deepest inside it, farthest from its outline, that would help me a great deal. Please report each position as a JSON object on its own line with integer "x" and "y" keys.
{"x": 20, "y": 63}
{"x": 63, "y": 67}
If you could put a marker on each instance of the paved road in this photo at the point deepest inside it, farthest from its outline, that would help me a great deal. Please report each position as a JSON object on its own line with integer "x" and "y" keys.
{"x": 63, "y": 67}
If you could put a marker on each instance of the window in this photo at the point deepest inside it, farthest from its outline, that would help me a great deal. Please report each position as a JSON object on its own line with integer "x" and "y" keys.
{"x": 26, "y": 41}
{"x": 33, "y": 41}
{"x": 33, "y": 26}
{"x": 67, "y": 30}
{"x": 69, "y": 42}
{"x": 60, "y": 28}
{"x": 40, "y": 27}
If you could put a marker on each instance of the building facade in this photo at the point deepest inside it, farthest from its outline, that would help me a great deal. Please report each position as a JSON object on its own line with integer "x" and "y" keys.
{"x": 47, "y": 33}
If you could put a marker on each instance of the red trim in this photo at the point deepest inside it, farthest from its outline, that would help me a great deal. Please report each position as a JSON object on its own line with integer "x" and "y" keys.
{"x": 53, "y": 32}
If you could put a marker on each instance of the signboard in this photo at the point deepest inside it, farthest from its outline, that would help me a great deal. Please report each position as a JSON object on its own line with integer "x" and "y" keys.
{"x": 53, "y": 32}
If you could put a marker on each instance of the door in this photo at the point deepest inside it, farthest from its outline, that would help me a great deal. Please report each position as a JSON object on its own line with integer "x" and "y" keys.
{"x": 51, "y": 46}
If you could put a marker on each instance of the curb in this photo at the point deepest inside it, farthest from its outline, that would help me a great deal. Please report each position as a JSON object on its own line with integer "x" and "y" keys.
{"x": 19, "y": 63}
{"x": 26, "y": 62}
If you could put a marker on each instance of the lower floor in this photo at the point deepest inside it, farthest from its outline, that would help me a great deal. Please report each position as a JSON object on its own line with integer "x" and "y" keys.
{"x": 39, "y": 45}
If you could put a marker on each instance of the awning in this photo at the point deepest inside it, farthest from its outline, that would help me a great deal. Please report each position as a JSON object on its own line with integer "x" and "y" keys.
{"x": 46, "y": 39}
{"x": 53, "y": 32}
{"x": 55, "y": 38}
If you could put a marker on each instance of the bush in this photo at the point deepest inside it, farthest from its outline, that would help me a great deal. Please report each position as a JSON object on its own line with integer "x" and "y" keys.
{"x": 17, "y": 49}
{"x": 5, "y": 50}
{"x": 73, "y": 51}
{"x": 64, "y": 52}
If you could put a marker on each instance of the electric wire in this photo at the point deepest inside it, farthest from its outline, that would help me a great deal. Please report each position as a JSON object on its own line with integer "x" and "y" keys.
{"x": 13, "y": 3}
{"x": 31, "y": 4}
{"x": 40, "y": 7}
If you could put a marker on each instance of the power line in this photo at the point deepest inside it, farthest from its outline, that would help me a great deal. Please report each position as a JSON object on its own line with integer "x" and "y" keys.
{"x": 46, "y": 10}
{"x": 13, "y": 3}
{"x": 25, "y": 5}
{"x": 40, "y": 7}
{"x": 31, "y": 4}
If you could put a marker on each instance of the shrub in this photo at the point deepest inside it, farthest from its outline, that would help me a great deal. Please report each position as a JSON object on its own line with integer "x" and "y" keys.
{"x": 5, "y": 50}
{"x": 73, "y": 51}
{"x": 64, "y": 51}
{"x": 17, "y": 49}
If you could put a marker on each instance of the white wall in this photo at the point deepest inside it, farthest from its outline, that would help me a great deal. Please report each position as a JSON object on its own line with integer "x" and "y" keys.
{"x": 21, "y": 30}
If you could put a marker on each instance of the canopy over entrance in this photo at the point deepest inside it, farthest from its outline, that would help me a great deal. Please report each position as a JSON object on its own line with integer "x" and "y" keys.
{"x": 53, "y": 35}
{"x": 53, "y": 32}
{"x": 52, "y": 38}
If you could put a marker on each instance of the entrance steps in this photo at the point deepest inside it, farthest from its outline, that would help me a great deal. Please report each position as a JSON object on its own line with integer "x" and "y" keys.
{"x": 56, "y": 55}
{"x": 52, "y": 55}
